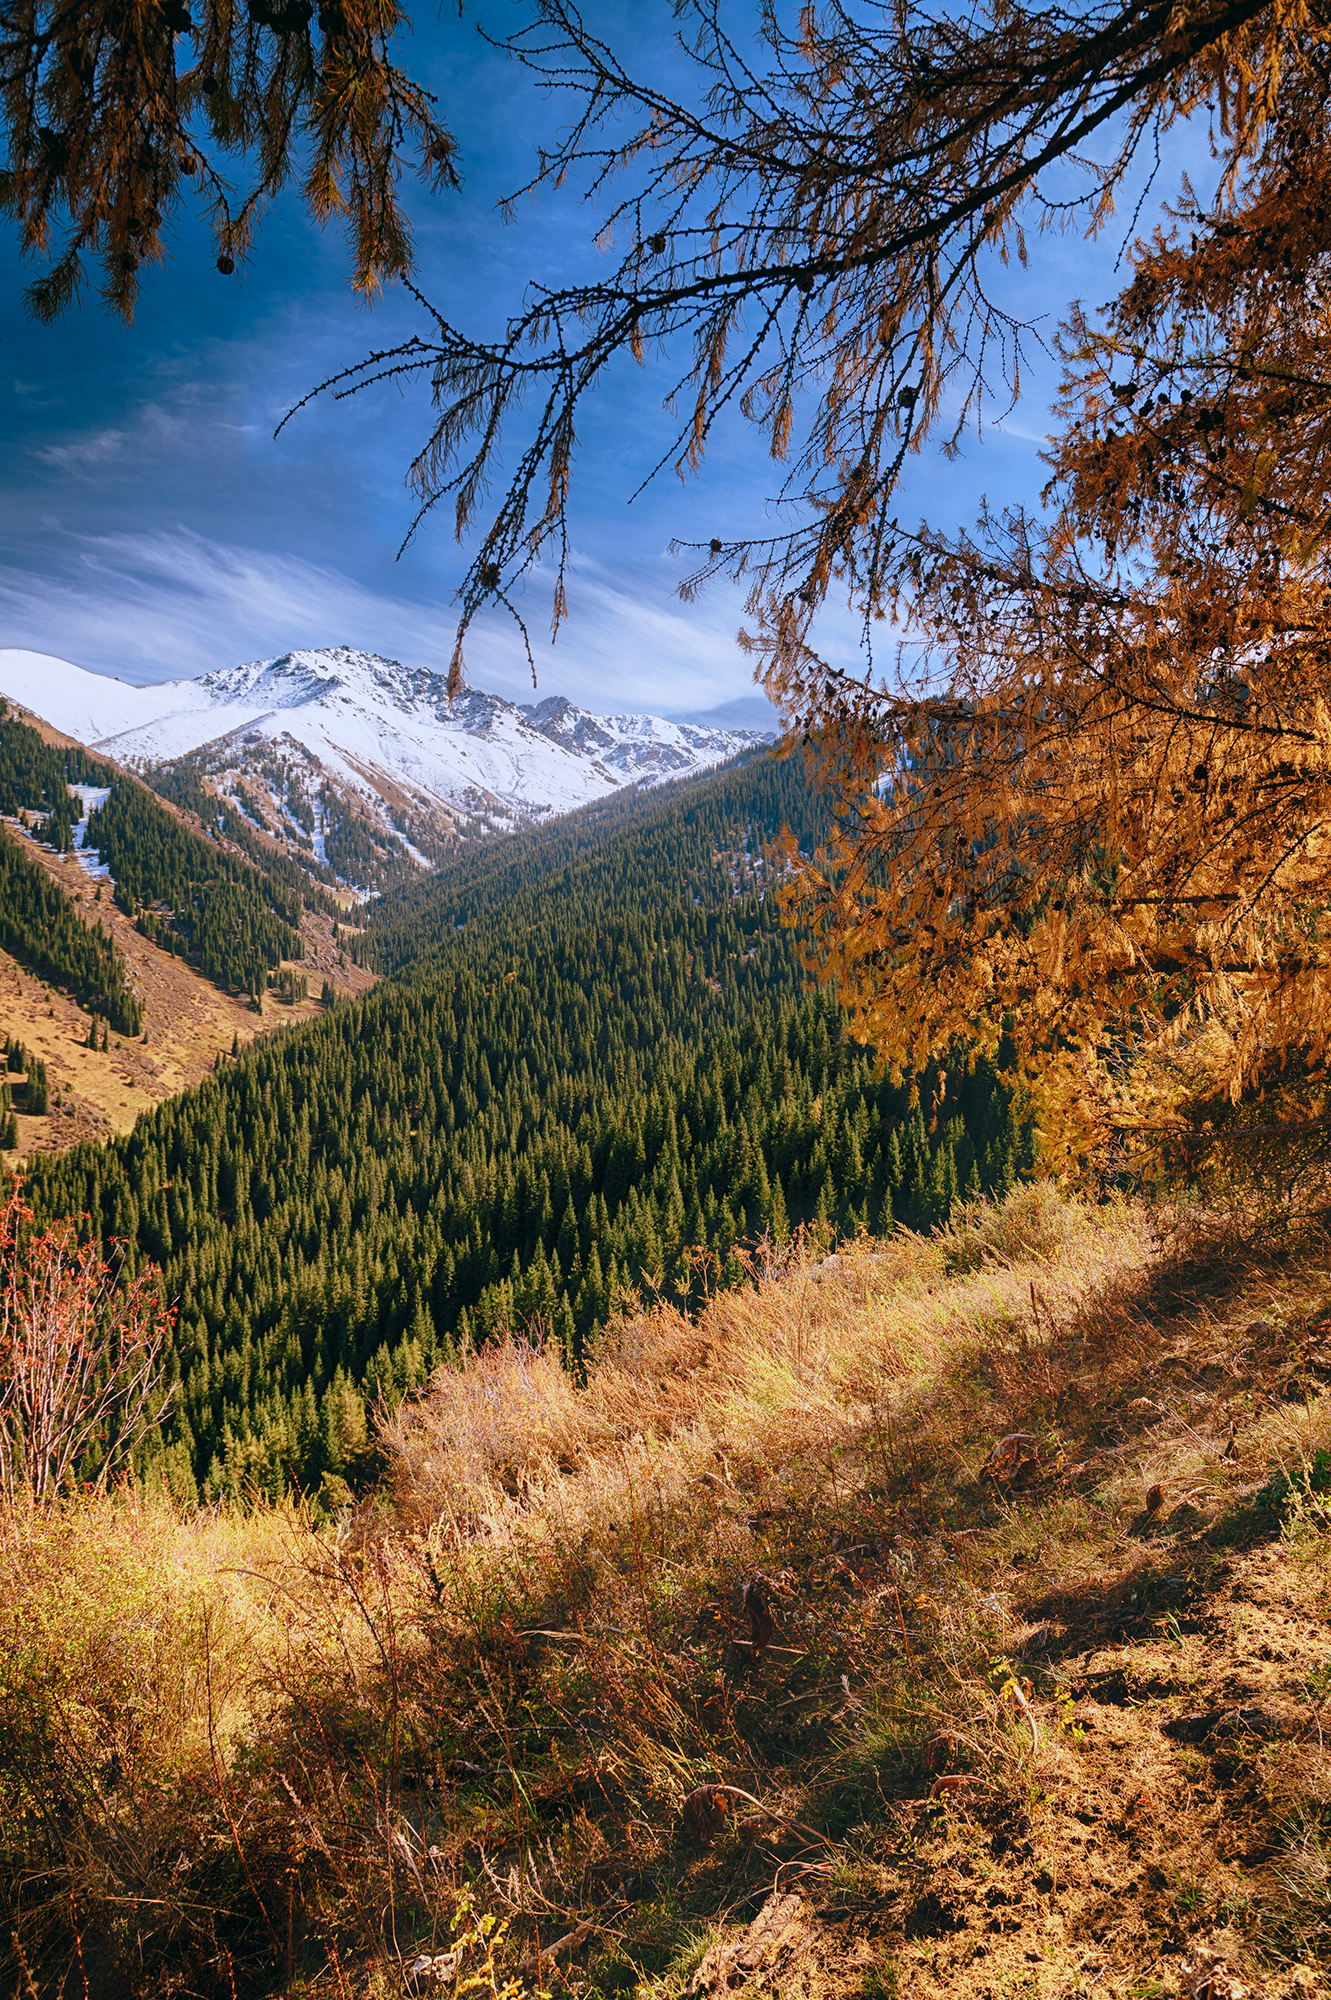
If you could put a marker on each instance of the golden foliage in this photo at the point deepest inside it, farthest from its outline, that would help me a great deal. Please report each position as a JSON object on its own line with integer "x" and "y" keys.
{"x": 1107, "y": 834}
{"x": 1090, "y": 811}
{"x": 103, "y": 102}
{"x": 815, "y": 232}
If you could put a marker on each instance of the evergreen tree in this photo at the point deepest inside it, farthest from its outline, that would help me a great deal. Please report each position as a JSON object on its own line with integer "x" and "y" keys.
{"x": 39, "y": 1098}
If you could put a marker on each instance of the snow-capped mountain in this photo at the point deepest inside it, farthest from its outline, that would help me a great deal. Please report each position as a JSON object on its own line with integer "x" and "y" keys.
{"x": 307, "y": 738}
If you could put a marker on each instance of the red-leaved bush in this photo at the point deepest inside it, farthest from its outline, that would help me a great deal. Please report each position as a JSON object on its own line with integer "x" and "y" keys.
{"x": 81, "y": 1358}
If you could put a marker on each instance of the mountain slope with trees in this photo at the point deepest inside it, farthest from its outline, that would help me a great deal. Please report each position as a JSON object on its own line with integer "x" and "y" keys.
{"x": 598, "y": 1070}
{"x": 182, "y": 782}
{"x": 38, "y": 927}
{"x": 236, "y": 921}
{"x": 1091, "y": 794}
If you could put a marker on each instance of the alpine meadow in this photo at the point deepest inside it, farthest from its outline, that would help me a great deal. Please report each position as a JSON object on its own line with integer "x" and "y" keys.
{"x": 658, "y": 1343}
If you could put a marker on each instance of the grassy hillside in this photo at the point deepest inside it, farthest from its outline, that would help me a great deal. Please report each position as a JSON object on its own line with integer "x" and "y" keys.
{"x": 188, "y": 1024}
{"x": 950, "y": 1619}
{"x": 598, "y": 1071}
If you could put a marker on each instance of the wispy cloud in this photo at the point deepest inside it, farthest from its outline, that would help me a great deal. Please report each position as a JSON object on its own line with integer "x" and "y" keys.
{"x": 184, "y": 426}
{"x": 157, "y": 606}
{"x": 85, "y": 452}
{"x": 152, "y": 526}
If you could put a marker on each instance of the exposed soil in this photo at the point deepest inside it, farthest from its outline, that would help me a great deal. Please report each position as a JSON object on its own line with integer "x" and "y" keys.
{"x": 189, "y": 1023}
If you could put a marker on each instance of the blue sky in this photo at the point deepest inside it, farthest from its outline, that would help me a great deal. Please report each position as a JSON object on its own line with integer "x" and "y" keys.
{"x": 151, "y": 526}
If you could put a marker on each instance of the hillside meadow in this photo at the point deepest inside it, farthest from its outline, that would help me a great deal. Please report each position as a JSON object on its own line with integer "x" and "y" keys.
{"x": 943, "y": 1616}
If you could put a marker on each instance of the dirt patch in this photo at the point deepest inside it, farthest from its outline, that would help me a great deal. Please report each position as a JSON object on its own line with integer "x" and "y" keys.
{"x": 1161, "y": 1571}
{"x": 325, "y": 959}
{"x": 189, "y": 1024}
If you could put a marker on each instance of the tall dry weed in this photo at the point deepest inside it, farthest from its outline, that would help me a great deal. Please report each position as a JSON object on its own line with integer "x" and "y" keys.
{"x": 142, "y": 1656}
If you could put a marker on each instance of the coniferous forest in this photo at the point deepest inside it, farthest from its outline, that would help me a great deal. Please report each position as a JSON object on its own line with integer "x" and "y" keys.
{"x": 35, "y": 777}
{"x": 594, "y": 1068}
{"x": 39, "y": 928}
{"x": 233, "y": 920}
{"x": 182, "y": 782}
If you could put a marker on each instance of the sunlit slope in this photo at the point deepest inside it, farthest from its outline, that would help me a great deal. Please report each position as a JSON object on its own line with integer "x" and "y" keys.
{"x": 949, "y": 1620}
{"x": 601, "y": 1073}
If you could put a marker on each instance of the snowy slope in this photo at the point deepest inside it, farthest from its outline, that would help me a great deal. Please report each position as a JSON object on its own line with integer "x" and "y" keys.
{"x": 315, "y": 732}
{"x": 92, "y": 707}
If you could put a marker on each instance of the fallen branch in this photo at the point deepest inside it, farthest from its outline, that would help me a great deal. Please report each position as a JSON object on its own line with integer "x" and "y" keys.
{"x": 570, "y": 1941}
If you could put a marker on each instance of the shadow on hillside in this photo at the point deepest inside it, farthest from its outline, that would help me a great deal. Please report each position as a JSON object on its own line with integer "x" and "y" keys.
{"x": 1166, "y": 1592}
{"x": 1150, "y": 1368}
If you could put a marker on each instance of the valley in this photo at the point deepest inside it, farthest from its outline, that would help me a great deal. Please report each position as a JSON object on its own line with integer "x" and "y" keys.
{"x": 166, "y": 1022}
{"x": 661, "y": 1343}
{"x": 591, "y": 1071}
{"x": 584, "y": 1354}
{"x": 731, "y": 1453}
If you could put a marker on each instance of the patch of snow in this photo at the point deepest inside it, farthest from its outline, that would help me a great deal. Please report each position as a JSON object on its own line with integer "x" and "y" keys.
{"x": 92, "y": 798}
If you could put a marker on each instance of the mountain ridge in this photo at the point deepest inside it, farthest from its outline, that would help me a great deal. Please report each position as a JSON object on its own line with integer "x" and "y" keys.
{"x": 362, "y": 763}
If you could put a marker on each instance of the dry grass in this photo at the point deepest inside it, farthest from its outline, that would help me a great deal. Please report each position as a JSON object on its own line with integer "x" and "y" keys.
{"x": 758, "y": 1551}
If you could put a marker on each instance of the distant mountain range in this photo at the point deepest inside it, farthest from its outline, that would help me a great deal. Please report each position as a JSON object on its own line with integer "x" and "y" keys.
{"x": 360, "y": 764}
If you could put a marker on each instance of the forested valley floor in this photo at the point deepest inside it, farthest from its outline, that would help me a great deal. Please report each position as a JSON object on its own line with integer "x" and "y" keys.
{"x": 593, "y": 1070}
